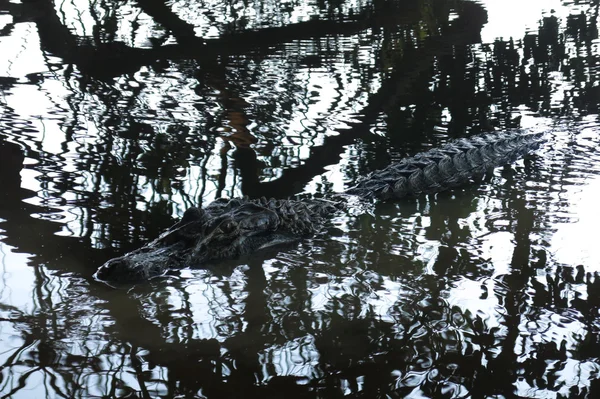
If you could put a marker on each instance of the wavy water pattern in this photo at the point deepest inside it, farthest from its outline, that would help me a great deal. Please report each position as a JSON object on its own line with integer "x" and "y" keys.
{"x": 115, "y": 117}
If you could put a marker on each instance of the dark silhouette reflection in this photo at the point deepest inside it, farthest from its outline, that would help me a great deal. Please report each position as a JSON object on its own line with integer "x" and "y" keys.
{"x": 137, "y": 111}
{"x": 422, "y": 343}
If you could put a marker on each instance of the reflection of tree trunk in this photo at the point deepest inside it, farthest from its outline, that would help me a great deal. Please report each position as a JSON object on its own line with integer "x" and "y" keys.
{"x": 11, "y": 163}
{"x": 246, "y": 346}
{"x": 234, "y": 127}
{"x": 502, "y": 368}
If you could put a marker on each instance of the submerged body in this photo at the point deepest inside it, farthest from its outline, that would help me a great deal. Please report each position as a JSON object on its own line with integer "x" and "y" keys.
{"x": 228, "y": 229}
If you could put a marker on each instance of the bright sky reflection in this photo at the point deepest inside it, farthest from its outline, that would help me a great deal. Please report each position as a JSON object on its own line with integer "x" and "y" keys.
{"x": 577, "y": 243}
{"x": 513, "y": 18}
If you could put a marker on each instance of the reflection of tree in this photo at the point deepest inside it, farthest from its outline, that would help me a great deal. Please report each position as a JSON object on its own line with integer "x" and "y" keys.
{"x": 397, "y": 88}
{"x": 422, "y": 343}
{"x": 161, "y": 151}
{"x": 128, "y": 138}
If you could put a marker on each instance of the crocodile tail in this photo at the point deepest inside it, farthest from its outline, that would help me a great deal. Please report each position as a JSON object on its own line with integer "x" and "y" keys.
{"x": 454, "y": 164}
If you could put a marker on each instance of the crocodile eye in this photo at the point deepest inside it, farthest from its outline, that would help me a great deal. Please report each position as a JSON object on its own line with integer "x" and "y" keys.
{"x": 228, "y": 226}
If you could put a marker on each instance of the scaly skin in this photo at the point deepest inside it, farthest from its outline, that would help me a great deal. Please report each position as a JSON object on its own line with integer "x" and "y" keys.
{"x": 227, "y": 229}
{"x": 455, "y": 164}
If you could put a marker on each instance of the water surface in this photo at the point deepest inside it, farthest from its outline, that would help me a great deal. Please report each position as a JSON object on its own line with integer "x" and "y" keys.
{"x": 115, "y": 117}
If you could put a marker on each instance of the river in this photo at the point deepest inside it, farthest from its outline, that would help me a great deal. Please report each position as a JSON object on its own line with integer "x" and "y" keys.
{"x": 117, "y": 116}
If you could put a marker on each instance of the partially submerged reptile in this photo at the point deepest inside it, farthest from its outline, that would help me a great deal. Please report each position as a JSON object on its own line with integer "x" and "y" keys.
{"x": 227, "y": 229}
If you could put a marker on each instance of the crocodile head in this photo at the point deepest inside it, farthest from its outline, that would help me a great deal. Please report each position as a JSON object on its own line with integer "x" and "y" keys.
{"x": 223, "y": 230}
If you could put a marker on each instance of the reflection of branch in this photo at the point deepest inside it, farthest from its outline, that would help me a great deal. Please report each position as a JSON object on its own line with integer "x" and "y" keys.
{"x": 114, "y": 59}
{"x": 516, "y": 283}
{"x": 392, "y": 90}
{"x": 139, "y": 373}
{"x": 161, "y": 13}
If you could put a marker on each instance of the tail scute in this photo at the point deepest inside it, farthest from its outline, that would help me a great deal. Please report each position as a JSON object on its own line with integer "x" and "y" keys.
{"x": 455, "y": 164}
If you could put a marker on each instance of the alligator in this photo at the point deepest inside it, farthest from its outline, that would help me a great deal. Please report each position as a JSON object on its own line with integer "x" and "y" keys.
{"x": 230, "y": 228}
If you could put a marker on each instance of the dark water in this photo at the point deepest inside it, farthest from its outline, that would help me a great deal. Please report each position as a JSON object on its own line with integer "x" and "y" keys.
{"x": 117, "y": 116}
